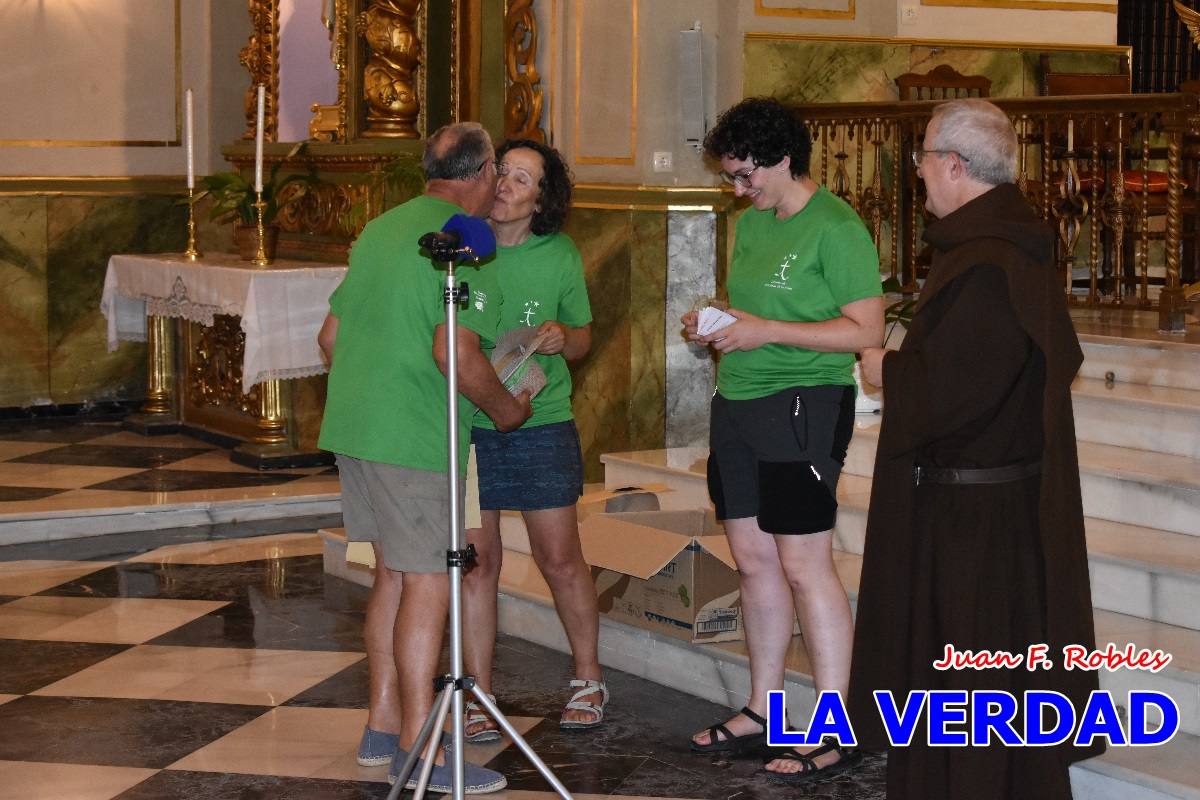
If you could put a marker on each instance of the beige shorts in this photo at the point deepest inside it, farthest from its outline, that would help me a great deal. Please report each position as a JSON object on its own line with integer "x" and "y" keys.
{"x": 405, "y": 511}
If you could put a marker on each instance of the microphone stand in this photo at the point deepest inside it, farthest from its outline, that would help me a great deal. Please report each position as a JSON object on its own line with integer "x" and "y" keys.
{"x": 450, "y": 687}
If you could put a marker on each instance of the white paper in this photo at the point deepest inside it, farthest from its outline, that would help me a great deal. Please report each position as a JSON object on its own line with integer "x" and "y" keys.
{"x": 712, "y": 320}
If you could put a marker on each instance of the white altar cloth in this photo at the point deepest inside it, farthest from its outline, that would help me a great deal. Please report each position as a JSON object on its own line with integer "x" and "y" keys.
{"x": 281, "y": 306}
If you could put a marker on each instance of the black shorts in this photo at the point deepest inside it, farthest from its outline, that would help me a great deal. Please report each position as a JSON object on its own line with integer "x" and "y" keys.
{"x": 778, "y": 458}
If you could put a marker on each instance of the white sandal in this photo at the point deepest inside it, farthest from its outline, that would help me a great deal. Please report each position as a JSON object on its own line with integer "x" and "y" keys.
{"x": 576, "y": 703}
{"x": 476, "y": 716}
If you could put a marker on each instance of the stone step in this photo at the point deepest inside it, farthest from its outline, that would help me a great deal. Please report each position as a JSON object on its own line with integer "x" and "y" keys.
{"x": 1160, "y": 419}
{"x": 1161, "y": 361}
{"x": 1121, "y": 484}
{"x": 1144, "y": 572}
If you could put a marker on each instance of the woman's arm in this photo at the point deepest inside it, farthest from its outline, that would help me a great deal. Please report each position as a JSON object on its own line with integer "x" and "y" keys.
{"x": 573, "y": 343}
{"x": 860, "y": 326}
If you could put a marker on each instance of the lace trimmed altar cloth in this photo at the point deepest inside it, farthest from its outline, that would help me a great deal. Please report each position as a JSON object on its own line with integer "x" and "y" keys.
{"x": 281, "y": 306}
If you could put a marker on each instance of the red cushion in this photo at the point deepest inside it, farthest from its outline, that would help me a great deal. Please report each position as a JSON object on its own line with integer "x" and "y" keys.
{"x": 1156, "y": 181}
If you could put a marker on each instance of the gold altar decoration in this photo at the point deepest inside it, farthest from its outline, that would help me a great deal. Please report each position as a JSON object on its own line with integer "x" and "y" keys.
{"x": 389, "y": 86}
{"x": 523, "y": 97}
{"x": 329, "y": 122}
{"x": 260, "y": 57}
{"x": 215, "y": 373}
{"x": 325, "y": 209}
{"x": 160, "y": 362}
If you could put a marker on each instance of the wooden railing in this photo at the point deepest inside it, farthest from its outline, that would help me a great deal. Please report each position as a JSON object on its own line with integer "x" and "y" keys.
{"x": 1082, "y": 163}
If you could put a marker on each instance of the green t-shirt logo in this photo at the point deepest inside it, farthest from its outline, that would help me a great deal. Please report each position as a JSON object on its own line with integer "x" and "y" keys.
{"x": 531, "y": 307}
{"x": 780, "y": 278}
{"x": 480, "y": 300}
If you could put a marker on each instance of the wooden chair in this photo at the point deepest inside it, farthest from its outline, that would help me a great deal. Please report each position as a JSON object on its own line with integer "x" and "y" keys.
{"x": 943, "y": 82}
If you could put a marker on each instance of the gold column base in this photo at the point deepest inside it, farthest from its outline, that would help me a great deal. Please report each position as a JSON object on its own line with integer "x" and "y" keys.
{"x": 1172, "y": 310}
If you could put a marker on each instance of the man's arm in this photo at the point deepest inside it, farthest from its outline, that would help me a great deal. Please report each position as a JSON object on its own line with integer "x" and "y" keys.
{"x": 477, "y": 380}
{"x": 327, "y": 336}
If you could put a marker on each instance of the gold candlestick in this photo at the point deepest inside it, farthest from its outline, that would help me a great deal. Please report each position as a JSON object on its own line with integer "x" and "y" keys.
{"x": 192, "y": 254}
{"x": 260, "y": 257}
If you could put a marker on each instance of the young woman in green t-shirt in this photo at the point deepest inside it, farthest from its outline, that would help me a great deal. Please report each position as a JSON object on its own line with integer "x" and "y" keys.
{"x": 805, "y": 291}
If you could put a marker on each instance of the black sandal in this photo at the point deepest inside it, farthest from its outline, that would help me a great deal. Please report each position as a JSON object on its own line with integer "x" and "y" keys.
{"x": 812, "y": 772}
{"x": 750, "y": 744}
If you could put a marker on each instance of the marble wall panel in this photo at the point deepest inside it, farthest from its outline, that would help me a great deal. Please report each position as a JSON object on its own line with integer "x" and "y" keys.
{"x": 602, "y": 380}
{"x": 690, "y": 369}
{"x": 846, "y": 71}
{"x": 24, "y": 370}
{"x": 647, "y": 312}
{"x": 83, "y": 233}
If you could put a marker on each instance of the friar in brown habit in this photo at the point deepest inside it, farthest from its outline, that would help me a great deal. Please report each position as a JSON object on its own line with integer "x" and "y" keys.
{"x": 975, "y": 532}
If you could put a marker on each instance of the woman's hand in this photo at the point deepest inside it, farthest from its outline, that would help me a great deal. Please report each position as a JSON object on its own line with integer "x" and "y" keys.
{"x": 554, "y": 337}
{"x": 690, "y": 320}
{"x": 872, "y": 365}
{"x": 748, "y": 333}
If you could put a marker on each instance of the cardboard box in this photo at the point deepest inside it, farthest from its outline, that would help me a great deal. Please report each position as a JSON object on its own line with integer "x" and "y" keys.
{"x": 633, "y": 498}
{"x": 666, "y": 571}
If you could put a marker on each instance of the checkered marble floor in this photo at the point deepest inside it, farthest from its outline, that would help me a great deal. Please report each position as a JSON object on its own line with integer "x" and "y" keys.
{"x": 222, "y": 662}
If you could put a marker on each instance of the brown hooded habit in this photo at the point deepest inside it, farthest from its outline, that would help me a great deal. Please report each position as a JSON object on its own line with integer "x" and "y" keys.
{"x": 982, "y": 380}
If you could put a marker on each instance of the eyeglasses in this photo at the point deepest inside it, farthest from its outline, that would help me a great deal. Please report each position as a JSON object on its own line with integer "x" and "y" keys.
{"x": 740, "y": 178}
{"x": 919, "y": 154}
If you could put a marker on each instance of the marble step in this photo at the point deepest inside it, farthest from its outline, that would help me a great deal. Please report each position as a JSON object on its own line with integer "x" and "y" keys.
{"x": 1145, "y": 572}
{"x": 1160, "y": 419}
{"x": 93, "y": 520}
{"x": 1164, "y": 362}
{"x": 1121, "y": 484}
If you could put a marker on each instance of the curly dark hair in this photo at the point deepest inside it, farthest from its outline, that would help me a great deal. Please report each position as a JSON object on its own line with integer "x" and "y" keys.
{"x": 763, "y": 130}
{"x": 555, "y": 185}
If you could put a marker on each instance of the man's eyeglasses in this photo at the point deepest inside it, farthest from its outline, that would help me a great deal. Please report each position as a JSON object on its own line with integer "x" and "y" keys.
{"x": 741, "y": 178}
{"x": 919, "y": 154}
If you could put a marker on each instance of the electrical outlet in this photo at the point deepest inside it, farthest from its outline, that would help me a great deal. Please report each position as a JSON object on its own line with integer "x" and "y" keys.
{"x": 908, "y": 14}
{"x": 663, "y": 161}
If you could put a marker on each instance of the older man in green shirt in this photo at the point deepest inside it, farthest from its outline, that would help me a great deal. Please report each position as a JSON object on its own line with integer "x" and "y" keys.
{"x": 385, "y": 418}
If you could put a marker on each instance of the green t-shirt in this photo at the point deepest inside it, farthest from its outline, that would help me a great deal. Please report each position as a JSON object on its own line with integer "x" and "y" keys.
{"x": 800, "y": 269}
{"x": 387, "y": 397}
{"x": 542, "y": 279}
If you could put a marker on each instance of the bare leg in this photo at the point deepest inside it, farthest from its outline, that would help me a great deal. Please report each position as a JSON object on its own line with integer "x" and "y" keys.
{"x": 420, "y": 621}
{"x": 480, "y": 585}
{"x": 383, "y": 707}
{"x": 824, "y": 613}
{"x": 767, "y": 614}
{"x": 554, "y": 540}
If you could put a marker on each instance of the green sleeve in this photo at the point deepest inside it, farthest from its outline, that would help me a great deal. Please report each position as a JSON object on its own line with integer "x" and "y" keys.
{"x": 850, "y": 263}
{"x": 574, "y": 309}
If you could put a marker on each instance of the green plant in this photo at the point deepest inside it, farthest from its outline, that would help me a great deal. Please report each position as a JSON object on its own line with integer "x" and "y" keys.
{"x": 233, "y": 196}
{"x": 901, "y": 311}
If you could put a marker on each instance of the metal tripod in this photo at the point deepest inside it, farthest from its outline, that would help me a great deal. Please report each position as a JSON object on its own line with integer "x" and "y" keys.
{"x": 450, "y": 687}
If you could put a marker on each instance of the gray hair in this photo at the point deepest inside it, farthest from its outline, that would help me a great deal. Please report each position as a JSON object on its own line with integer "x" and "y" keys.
{"x": 982, "y": 134}
{"x": 455, "y": 152}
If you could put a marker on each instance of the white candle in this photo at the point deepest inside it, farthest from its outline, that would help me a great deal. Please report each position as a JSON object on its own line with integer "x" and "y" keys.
{"x": 258, "y": 142}
{"x": 191, "y": 164}
{"x": 1070, "y": 136}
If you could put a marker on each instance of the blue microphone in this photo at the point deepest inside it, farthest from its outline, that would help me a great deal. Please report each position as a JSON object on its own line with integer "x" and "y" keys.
{"x": 462, "y": 238}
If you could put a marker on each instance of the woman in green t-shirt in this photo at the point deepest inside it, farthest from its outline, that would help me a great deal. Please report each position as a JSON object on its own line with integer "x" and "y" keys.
{"x": 538, "y": 468}
{"x": 805, "y": 294}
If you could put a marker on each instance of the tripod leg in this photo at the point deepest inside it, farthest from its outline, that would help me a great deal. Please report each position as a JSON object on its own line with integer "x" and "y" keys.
{"x": 519, "y": 741}
{"x": 430, "y": 733}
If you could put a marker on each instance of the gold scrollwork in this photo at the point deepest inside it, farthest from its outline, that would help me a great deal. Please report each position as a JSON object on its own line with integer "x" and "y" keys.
{"x": 523, "y": 97}
{"x": 322, "y": 209}
{"x": 215, "y": 373}
{"x": 389, "y": 86}
{"x": 260, "y": 57}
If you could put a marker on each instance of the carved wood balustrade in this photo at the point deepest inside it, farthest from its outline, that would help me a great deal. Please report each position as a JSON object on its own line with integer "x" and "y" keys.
{"x": 1110, "y": 250}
